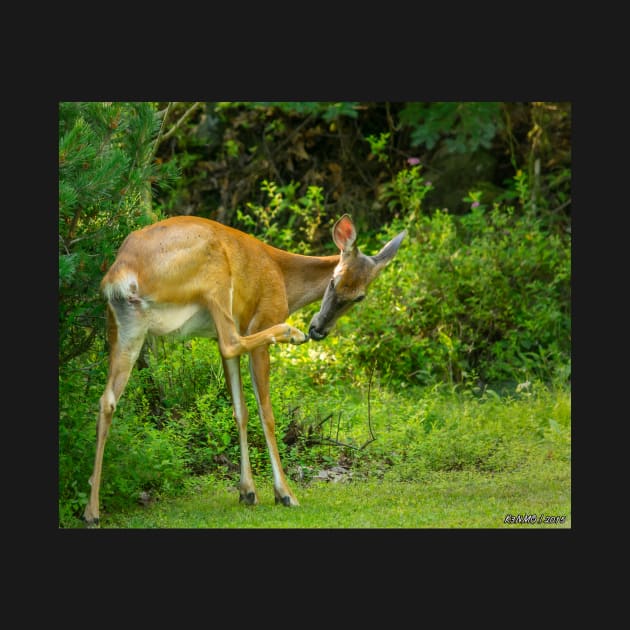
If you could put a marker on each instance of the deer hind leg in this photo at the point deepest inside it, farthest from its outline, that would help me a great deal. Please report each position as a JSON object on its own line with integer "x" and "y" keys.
{"x": 259, "y": 369}
{"x": 232, "y": 369}
{"x": 125, "y": 335}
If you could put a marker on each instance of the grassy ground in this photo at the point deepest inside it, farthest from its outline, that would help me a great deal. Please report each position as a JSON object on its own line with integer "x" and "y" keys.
{"x": 461, "y": 499}
{"x": 435, "y": 459}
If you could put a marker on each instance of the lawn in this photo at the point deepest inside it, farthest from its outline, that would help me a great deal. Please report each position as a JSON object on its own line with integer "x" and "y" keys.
{"x": 455, "y": 499}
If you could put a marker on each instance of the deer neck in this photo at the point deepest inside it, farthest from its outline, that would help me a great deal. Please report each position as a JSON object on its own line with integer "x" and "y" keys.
{"x": 305, "y": 277}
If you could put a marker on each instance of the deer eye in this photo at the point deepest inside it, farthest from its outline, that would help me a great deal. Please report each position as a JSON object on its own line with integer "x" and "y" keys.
{"x": 359, "y": 299}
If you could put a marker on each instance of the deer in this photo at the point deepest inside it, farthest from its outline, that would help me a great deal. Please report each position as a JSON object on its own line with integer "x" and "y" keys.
{"x": 190, "y": 276}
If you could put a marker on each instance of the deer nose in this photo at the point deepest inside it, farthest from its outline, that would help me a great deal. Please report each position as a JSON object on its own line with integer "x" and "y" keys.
{"x": 315, "y": 334}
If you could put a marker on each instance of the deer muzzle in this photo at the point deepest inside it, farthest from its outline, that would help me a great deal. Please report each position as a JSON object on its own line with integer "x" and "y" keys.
{"x": 316, "y": 335}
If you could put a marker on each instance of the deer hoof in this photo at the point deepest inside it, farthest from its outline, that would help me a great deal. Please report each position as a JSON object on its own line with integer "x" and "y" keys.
{"x": 249, "y": 498}
{"x": 286, "y": 500}
{"x": 91, "y": 523}
{"x": 295, "y": 336}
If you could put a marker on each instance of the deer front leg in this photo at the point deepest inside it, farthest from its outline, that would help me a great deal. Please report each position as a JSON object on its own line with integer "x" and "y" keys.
{"x": 232, "y": 369}
{"x": 233, "y": 344}
{"x": 259, "y": 369}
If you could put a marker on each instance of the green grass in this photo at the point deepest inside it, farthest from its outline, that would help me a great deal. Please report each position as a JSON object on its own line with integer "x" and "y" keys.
{"x": 461, "y": 499}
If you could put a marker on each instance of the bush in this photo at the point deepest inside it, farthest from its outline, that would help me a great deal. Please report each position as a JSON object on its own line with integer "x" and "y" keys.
{"x": 482, "y": 296}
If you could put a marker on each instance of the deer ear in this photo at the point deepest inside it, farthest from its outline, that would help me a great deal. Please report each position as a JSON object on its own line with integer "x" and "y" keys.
{"x": 344, "y": 234}
{"x": 389, "y": 251}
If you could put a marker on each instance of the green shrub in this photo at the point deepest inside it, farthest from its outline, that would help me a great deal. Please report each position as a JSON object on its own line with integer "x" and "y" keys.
{"x": 285, "y": 221}
{"x": 140, "y": 458}
{"x": 482, "y": 296}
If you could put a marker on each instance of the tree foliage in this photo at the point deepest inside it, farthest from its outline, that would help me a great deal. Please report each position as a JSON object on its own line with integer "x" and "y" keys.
{"x": 352, "y": 150}
{"x": 106, "y": 172}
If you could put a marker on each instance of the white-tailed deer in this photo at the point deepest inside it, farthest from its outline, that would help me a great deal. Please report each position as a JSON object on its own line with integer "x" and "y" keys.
{"x": 195, "y": 277}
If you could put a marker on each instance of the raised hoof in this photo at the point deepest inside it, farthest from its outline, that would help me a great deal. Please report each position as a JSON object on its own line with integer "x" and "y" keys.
{"x": 296, "y": 336}
{"x": 248, "y": 499}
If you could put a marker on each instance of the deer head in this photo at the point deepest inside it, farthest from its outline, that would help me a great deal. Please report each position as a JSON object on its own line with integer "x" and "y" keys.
{"x": 351, "y": 277}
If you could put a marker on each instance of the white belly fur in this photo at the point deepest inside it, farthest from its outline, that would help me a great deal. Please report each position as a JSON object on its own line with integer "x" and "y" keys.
{"x": 180, "y": 320}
